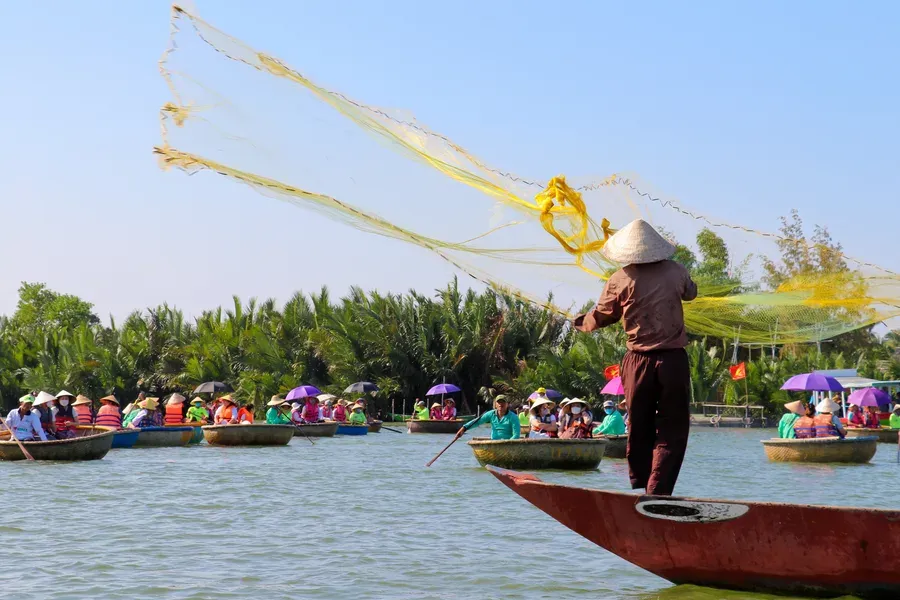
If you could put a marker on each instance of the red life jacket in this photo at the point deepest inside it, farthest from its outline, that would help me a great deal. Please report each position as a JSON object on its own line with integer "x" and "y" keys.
{"x": 449, "y": 413}
{"x": 824, "y": 426}
{"x": 858, "y": 419}
{"x": 64, "y": 422}
{"x": 872, "y": 421}
{"x": 548, "y": 420}
{"x": 109, "y": 416}
{"x": 326, "y": 412}
{"x": 85, "y": 417}
{"x": 310, "y": 412}
{"x": 173, "y": 414}
{"x": 340, "y": 413}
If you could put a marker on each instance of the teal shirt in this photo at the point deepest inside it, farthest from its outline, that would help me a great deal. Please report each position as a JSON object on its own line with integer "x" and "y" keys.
{"x": 612, "y": 424}
{"x": 786, "y": 426}
{"x": 502, "y": 428}
{"x": 276, "y": 417}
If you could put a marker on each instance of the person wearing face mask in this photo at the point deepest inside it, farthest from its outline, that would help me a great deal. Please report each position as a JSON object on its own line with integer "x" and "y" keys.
{"x": 613, "y": 423}
{"x": 543, "y": 421}
{"x": 576, "y": 420}
{"x": 64, "y": 416}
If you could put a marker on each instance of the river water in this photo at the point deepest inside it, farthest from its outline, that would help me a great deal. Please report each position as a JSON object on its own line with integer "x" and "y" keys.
{"x": 355, "y": 517}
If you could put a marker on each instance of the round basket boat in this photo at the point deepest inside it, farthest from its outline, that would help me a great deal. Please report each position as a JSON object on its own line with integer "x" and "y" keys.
{"x": 884, "y": 434}
{"x": 125, "y": 438}
{"x": 250, "y": 434}
{"x": 164, "y": 437}
{"x": 347, "y": 429}
{"x": 616, "y": 446}
{"x": 91, "y": 443}
{"x": 435, "y": 426}
{"x": 316, "y": 430}
{"x": 529, "y": 453}
{"x": 822, "y": 450}
{"x": 197, "y": 434}
{"x": 375, "y": 426}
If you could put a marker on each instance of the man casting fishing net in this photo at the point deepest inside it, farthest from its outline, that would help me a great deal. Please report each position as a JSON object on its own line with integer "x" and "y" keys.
{"x": 646, "y": 294}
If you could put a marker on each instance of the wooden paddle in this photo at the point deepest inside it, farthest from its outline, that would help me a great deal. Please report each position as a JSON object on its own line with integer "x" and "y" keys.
{"x": 431, "y": 462}
{"x": 21, "y": 445}
{"x": 309, "y": 439}
{"x": 389, "y": 429}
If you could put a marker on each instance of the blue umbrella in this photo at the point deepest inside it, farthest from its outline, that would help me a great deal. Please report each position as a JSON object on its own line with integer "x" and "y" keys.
{"x": 443, "y": 388}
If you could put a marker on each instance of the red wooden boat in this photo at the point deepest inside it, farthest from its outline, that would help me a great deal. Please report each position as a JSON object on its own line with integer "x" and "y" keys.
{"x": 752, "y": 546}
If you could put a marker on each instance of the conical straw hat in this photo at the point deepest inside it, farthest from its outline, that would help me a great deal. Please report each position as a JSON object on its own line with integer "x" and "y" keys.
{"x": 175, "y": 399}
{"x": 827, "y": 406}
{"x": 795, "y": 407}
{"x": 541, "y": 402}
{"x": 637, "y": 243}
{"x": 81, "y": 401}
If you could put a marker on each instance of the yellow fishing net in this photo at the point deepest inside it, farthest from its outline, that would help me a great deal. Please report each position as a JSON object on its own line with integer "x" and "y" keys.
{"x": 250, "y": 117}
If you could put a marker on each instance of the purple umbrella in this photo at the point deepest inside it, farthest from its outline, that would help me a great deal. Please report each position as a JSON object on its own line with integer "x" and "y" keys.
{"x": 869, "y": 397}
{"x": 551, "y": 394}
{"x": 304, "y": 391}
{"x": 443, "y": 388}
{"x": 812, "y": 382}
{"x": 614, "y": 387}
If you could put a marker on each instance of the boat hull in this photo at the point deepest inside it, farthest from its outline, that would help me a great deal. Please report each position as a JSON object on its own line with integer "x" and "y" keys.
{"x": 164, "y": 437}
{"x": 345, "y": 429}
{"x": 255, "y": 434}
{"x": 526, "y": 453}
{"x": 822, "y": 450}
{"x": 125, "y": 438}
{"x": 316, "y": 430}
{"x": 92, "y": 444}
{"x": 375, "y": 426}
{"x": 749, "y": 546}
{"x": 434, "y": 426}
{"x": 616, "y": 446}
{"x": 884, "y": 435}
{"x": 196, "y": 434}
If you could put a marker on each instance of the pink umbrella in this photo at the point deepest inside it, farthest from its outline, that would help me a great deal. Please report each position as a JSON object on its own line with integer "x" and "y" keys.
{"x": 614, "y": 387}
{"x": 869, "y": 397}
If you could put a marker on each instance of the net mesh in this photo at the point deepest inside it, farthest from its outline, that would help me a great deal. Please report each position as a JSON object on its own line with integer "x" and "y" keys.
{"x": 250, "y": 117}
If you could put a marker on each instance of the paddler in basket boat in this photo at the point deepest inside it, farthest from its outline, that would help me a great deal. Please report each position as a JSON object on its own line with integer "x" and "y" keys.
{"x": 646, "y": 295}
{"x": 612, "y": 423}
{"x": 277, "y": 414}
{"x": 197, "y": 413}
{"x": 795, "y": 411}
{"x": 504, "y": 422}
{"x": 894, "y": 421}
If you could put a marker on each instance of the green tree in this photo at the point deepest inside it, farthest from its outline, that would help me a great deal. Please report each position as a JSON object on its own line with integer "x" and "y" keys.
{"x": 40, "y": 308}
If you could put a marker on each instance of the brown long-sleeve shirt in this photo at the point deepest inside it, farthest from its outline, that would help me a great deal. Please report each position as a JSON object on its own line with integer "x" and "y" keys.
{"x": 648, "y": 299}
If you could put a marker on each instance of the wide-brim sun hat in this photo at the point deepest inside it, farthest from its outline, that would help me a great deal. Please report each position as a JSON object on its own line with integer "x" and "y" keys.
{"x": 82, "y": 400}
{"x": 296, "y": 405}
{"x": 436, "y": 405}
{"x": 43, "y": 398}
{"x": 175, "y": 399}
{"x": 638, "y": 243}
{"x": 794, "y": 407}
{"x": 541, "y": 402}
{"x": 357, "y": 405}
{"x": 63, "y": 394}
{"x": 110, "y": 398}
{"x": 226, "y": 398}
{"x": 828, "y": 406}
{"x": 197, "y": 401}
{"x": 609, "y": 404}
{"x": 564, "y": 402}
{"x": 149, "y": 404}
{"x": 578, "y": 401}
{"x": 275, "y": 401}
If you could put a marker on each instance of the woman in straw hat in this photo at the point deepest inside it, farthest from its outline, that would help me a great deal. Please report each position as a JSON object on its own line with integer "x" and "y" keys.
{"x": 84, "y": 412}
{"x": 277, "y": 414}
{"x": 826, "y": 422}
{"x": 148, "y": 415}
{"x": 227, "y": 413}
{"x": 542, "y": 420}
{"x": 109, "y": 415}
{"x": 43, "y": 406}
{"x": 436, "y": 414}
{"x": 646, "y": 294}
{"x": 357, "y": 416}
{"x": 575, "y": 419}
{"x": 795, "y": 410}
{"x": 197, "y": 412}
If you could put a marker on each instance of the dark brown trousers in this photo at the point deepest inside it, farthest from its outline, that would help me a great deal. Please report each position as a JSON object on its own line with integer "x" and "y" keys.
{"x": 658, "y": 391}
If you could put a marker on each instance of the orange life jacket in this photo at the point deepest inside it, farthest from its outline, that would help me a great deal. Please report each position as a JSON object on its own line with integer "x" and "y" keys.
{"x": 245, "y": 415}
{"x": 548, "y": 420}
{"x": 85, "y": 417}
{"x": 825, "y": 426}
{"x": 109, "y": 416}
{"x": 805, "y": 427}
{"x": 173, "y": 414}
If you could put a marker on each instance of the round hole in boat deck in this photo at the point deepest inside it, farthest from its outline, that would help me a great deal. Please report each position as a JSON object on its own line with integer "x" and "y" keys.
{"x": 671, "y": 510}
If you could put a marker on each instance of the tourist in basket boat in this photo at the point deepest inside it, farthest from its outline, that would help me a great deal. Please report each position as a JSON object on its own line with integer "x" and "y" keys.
{"x": 245, "y": 413}
{"x": 175, "y": 410}
{"x": 357, "y": 416}
{"x": 542, "y": 420}
{"x": 64, "y": 417}
{"x": 576, "y": 419}
{"x": 310, "y": 412}
{"x": 278, "y": 411}
{"x": 43, "y": 406}
{"x": 449, "y": 411}
{"x": 227, "y": 413}
{"x": 328, "y": 410}
{"x": 132, "y": 410}
{"x": 296, "y": 413}
{"x": 504, "y": 422}
{"x": 340, "y": 411}
{"x": 109, "y": 415}
{"x": 872, "y": 420}
{"x": 826, "y": 422}
{"x": 894, "y": 420}
{"x": 197, "y": 413}
{"x": 524, "y": 414}
{"x": 795, "y": 410}
{"x": 420, "y": 413}
{"x": 83, "y": 408}
{"x": 612, "y": 423}
{"x": 436, "y": 414}
{"x": 148, "y": 415}
{"x": 24, "y": 422}
{"x": 805, "y": 426}
{"x": 646, "y": 295}
{"x": 856, "y": 418}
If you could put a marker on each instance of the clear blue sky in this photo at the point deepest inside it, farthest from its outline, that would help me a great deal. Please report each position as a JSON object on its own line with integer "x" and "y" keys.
{"x": 741, "y": 109}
